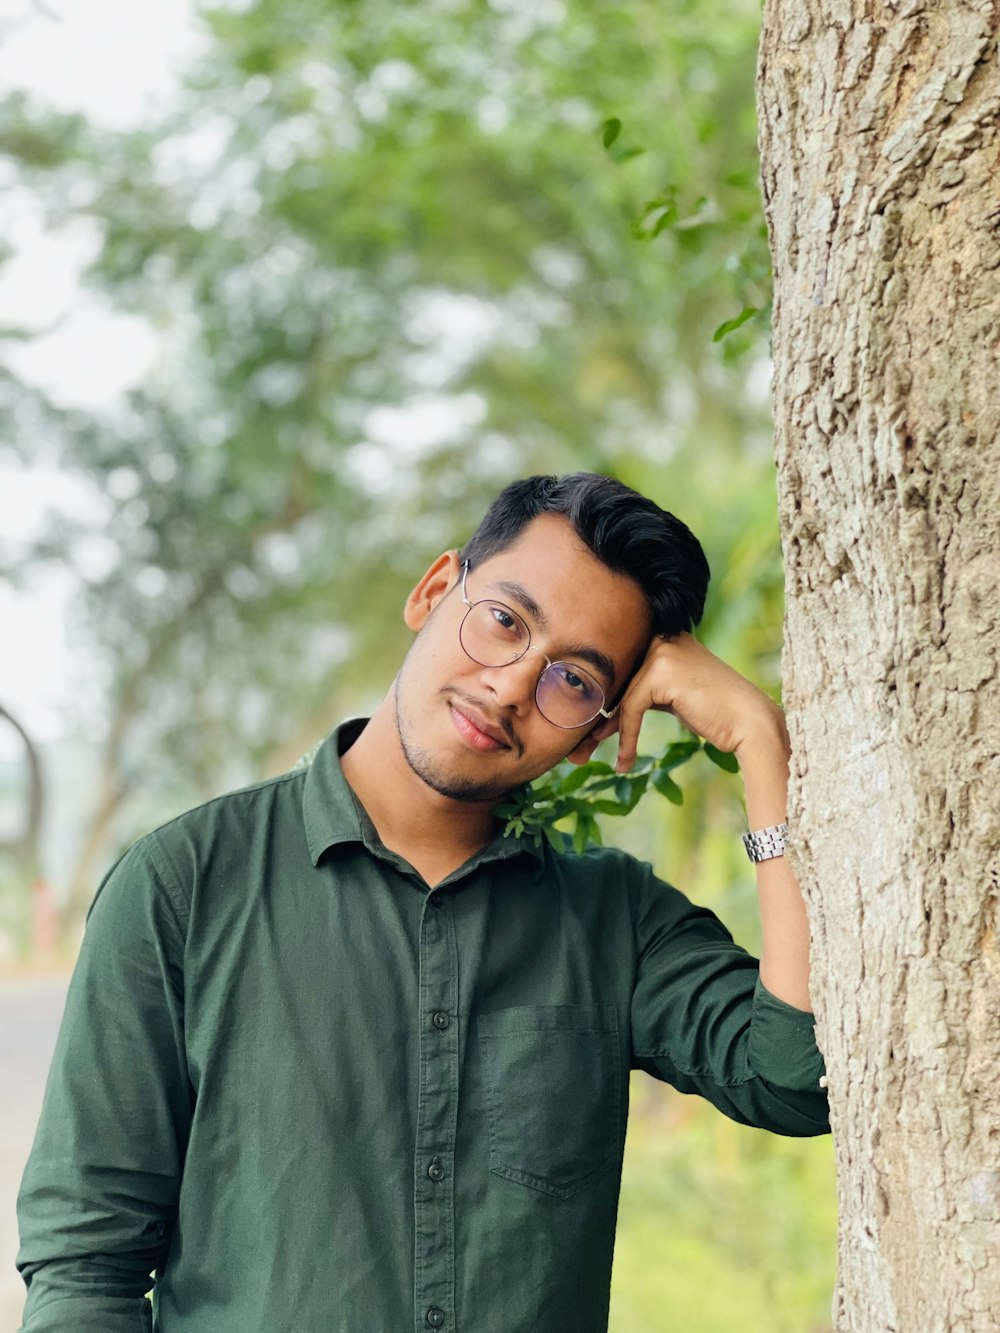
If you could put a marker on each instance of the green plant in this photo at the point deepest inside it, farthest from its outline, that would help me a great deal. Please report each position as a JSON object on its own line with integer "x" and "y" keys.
{"x": 584, "y": 791}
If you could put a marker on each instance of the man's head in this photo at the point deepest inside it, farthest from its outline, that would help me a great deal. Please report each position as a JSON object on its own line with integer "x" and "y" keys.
{"x": 627, "y": 532}
{"x": 592, "y": 570}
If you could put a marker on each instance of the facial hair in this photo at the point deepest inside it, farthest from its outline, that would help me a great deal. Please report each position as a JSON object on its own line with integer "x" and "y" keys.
{"x": 430, "y": 770}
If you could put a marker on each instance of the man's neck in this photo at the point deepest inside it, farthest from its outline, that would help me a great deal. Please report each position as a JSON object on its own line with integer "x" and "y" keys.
{"x": 435, "y": 833}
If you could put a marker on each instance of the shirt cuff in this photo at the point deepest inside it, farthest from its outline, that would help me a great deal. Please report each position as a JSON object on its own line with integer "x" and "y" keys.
{"x": 783, "y": 1048}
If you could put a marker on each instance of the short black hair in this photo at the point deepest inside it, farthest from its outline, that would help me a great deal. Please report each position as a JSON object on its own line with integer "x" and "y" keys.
{"x": 626, "y": 531}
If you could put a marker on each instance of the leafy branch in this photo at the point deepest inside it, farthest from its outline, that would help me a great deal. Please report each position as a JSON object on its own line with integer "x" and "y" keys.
{"x": 588, "y": 790}
{"x": 667, "y": 211}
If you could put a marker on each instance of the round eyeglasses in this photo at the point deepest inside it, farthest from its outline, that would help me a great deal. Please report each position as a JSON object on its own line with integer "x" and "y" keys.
{"x": 493, "y": 635}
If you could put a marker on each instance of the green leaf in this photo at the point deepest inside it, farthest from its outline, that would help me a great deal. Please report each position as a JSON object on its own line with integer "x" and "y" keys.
{"x": 554, "y": 837}
{"x": 731, "y": 325}
{"x": 580, "y": 834}
{"x": 621, "y": 155}
{"x": 667, "y": 787}
{"x": 577, "y": 778}
{"x": 610, "y": 131}
{"x": 656, "y": 215}
{"x": 723, "y": 758}
{"x": 609, "y": 807}
{"x": 666, "y": 219}
{"x": 678, "y": 753}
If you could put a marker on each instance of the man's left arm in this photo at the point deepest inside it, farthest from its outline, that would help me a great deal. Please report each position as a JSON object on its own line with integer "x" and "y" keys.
{"x": 683, "y": 677}
{"x": 784, "y": 960}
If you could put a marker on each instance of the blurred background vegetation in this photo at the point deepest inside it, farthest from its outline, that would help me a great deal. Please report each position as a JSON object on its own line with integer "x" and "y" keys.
{"x": 395, "y": 255}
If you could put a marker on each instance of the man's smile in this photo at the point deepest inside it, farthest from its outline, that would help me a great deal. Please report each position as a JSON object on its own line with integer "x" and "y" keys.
{"x": 476, "y": 728}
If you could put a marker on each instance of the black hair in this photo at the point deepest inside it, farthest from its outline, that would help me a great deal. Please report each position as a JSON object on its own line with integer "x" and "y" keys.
{"x": 626, "y": 531}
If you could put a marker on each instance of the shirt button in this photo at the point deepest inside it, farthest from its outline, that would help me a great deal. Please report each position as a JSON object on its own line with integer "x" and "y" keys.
{"x": 440, "y": 1020}
{"x": 435, "y": 1317}
{"x": 435, "y": 1170}
{"x": 435, "y": 901}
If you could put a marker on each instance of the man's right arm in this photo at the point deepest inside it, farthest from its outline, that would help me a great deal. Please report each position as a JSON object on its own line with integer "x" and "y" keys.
{"x": 99, "y": 1194}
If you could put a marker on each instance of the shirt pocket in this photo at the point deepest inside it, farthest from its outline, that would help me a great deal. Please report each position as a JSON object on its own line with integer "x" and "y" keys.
{"x": 553, "y": 1080}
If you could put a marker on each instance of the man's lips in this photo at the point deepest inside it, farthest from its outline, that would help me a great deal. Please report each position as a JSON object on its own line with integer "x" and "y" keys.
{"x": 476, "y": 731}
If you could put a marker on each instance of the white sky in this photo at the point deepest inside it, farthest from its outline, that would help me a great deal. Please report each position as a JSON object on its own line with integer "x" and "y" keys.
{"x": 111, "y": 59}
{"x": 116, "y": 61}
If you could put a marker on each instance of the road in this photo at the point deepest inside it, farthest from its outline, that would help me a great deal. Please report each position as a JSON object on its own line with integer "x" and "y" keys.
{"x": 30, "y": 1010}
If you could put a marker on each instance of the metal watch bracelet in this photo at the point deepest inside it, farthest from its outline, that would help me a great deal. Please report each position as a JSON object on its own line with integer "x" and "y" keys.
{"x": 764, "y": 844}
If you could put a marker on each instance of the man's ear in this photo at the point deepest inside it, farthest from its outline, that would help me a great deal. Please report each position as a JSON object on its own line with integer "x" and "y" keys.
{"x": 440, "y": 578}
{"x": 582, "y": 751}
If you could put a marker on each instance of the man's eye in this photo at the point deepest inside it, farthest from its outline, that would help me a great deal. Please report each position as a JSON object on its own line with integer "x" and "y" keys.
{"x": 503, "y": 618}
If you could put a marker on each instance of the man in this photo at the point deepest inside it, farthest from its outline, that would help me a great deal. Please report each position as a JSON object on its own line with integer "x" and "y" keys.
{"x": 339, "y": 1055}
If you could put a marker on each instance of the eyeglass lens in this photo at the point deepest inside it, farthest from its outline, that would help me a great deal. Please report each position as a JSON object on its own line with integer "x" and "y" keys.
{"x": 566, "y": 695}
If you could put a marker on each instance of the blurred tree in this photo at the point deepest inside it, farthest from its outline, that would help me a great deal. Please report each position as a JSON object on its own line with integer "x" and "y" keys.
{"x": 23, "y": 845}
{"x": 393, "y": 264}
{"x": 397, "y": 255}
{"x": 20, "y": 849}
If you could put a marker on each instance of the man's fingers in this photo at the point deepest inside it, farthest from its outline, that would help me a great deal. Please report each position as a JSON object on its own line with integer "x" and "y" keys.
{"x": 628, "y": 737}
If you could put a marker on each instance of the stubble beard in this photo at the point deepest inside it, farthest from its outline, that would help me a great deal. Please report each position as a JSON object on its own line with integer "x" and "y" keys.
{"x": 432, "y": 772}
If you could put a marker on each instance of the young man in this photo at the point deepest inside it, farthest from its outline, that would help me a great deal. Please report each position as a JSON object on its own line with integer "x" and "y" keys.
{"x": 338, "y": 1055}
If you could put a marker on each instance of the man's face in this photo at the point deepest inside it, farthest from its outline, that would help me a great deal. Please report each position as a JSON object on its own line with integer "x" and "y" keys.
{"x": 473, "y": 732}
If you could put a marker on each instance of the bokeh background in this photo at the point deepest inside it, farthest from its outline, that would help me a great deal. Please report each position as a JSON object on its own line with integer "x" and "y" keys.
{"x": 288, "y": 290}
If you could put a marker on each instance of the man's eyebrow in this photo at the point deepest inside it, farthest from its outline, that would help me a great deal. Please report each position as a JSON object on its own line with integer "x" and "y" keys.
{"x": 583, "y": 651}
{"x": 517, "y": 593}
{"x": 598, "y": 660}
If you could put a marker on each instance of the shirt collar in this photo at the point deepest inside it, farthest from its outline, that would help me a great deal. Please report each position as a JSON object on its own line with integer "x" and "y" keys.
{"x": 333, "y": 814}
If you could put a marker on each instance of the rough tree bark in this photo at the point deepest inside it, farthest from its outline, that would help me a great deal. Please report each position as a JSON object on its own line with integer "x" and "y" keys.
{"x": 880, "y": 139}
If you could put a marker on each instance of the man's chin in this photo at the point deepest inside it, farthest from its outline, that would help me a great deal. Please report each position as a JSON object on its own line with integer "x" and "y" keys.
{"x": 444, "y": 776}
{"x": 470, "y": 791}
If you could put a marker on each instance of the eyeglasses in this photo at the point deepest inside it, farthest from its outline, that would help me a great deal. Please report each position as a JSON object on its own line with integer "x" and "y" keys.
{"x": 493, "y": 635}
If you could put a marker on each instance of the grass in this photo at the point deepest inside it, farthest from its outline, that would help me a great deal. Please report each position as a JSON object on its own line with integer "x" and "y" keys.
{"x": 720, "y": 1227}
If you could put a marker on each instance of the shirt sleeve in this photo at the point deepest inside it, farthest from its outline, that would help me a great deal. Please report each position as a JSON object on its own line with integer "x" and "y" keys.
{"x": 100, "y": 1189}
{"x": 703, "y": 1021}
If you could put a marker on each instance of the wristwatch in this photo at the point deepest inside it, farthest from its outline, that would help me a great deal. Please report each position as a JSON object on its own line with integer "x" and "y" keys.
{"x": 765, "y": 843}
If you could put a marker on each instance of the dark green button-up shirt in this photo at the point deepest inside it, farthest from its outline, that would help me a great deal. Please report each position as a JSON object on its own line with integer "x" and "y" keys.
{"x": 315, "y": 1097}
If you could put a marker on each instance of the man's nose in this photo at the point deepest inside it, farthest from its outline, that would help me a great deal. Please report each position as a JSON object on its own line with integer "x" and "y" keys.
{"x": 513, "y": 686}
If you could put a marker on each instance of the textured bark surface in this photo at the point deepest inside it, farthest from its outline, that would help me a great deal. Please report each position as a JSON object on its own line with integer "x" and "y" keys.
{"x": 880, "y": 137}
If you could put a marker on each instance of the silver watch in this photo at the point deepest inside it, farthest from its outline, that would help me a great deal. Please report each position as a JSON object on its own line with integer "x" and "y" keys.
{"x": 765, "y": 843}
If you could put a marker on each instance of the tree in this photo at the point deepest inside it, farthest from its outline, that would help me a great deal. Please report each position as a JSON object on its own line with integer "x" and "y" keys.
{"x": 880, "y": 133}
{"x": 21, "y": 849}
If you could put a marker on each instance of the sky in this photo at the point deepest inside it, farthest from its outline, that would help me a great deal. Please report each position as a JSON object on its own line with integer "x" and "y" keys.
{"x": 115, "y": 61}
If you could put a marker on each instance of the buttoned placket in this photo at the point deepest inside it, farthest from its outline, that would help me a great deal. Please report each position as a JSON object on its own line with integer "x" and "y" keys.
{"x": 437, "y": 1117}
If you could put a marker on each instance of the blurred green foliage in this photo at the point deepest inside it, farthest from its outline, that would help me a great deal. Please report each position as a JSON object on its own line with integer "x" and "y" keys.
{"x": 397, "y": 255}
{"x": 720, "y": 1227}
{"x": 390, "y": 259}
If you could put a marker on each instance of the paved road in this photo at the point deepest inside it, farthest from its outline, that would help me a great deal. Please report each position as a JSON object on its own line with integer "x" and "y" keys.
{"x": 30, "y": 1010}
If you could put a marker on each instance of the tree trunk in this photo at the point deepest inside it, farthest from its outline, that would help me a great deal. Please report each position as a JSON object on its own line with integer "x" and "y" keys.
{"x": 880, "y": 140}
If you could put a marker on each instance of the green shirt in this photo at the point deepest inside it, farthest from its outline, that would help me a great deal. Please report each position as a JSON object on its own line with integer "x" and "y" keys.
{"x": 315, "y": 1097}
